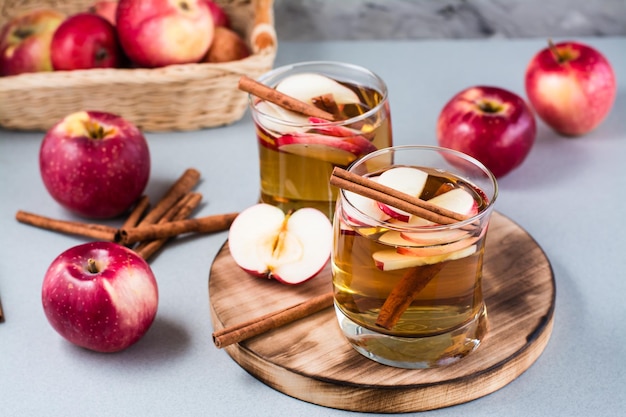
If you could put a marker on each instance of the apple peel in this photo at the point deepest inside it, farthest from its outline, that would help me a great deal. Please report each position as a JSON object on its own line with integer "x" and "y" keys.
{"x": 290, "y": 248}
{"x": 390, "y": 259}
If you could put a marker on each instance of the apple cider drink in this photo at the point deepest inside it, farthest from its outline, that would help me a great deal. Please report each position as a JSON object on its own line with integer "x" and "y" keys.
{"x": 407, "y": 289}
{"x": 298, "y": 153}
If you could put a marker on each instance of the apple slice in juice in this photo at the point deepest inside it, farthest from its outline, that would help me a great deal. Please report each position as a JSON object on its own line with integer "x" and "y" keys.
{"x": 389, "y": 259}
{"x": 408, "y": 180}
{"x": 339, "y": 151}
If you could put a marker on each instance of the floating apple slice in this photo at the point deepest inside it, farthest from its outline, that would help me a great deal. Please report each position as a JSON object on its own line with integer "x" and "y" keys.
{"x": 436, "y": 237}
{"x": 389, "y": 259}
{"x": 306, "y": 86}
{"x": 294, "y": 122}
{"x": 436, "y": 250}
{"x": 407, "y": 180}
{"x": 290, "y": 248}
{"x": 457, "y": 200}
{"x": 324, "y": 127}
{"x": 337, "y": 150}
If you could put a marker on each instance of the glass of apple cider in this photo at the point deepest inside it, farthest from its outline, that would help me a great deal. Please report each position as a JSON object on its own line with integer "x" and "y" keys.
{"x": 408, "y": 289}
{"x": 297, "y": 153}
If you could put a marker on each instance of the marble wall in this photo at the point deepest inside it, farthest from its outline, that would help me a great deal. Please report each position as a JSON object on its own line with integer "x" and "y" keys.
{"x": 431, "y": 19}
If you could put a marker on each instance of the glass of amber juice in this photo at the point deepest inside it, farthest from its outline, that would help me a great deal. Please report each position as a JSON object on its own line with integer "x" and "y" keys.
{"x": 297, "y": 153}
{"x": 407, "y": 287}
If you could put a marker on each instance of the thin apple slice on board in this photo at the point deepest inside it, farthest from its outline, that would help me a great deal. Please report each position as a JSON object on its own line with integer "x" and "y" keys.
{"x": 291, "y": 248}
{"x": 408, "y": 180}
{"x": 390, "y": 259}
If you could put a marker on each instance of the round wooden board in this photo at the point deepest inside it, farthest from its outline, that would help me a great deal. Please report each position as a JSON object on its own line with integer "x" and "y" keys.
{"x": 310, "y": 360}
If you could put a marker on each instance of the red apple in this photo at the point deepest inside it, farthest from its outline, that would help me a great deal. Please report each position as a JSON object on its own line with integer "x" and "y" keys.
{"x": 290, "y": 248}
{"x": 156, "y": 33}
{"x": 85, "y": 41}
{"x": 106, "y": 9}
{"x": 220, "y": 18}
{"x": 491, "y": 124}
{"x": 95, "y": 164}
{"x": 25, "y": 42}
{"x": 572, "y": 87}
{"x": 227, "y": 46}
{"x": 100, "y": 295}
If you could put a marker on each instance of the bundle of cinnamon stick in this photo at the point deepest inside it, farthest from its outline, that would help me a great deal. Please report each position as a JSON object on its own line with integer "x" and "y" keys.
{"x": 146, "y": 231}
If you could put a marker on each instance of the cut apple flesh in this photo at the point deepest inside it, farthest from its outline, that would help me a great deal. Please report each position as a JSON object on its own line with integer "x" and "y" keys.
{"x": 306, "y": 86}
{"x": 408, "y": 180}
{"x": 291, "y": 249}
{"x": 337, "y": 150}
{"x": 389, "y": 259}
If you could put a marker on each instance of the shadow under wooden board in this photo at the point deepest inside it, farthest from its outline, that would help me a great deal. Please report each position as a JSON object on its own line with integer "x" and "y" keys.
{"x": 310, "y": 360}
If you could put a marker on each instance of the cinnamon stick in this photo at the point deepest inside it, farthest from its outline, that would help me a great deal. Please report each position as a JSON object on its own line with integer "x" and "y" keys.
{"x": 181, "y": 210}
{"x": 207, "y": 224}
{"x": 272, "y": 95}
{"x": 137, "y": 212}
{"x": 182, "y": 186}
{"x": 257, "y": 326}
{"x": 392, "y": 197}
{"x": 90, "y": 230}
{"x": 1, "y": 313}
{"x": 403, "y": 294}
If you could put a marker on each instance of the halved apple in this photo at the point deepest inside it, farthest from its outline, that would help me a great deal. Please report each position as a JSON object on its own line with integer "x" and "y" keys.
{"x": 390, "y": 259}
{"x": 291, "y": 248}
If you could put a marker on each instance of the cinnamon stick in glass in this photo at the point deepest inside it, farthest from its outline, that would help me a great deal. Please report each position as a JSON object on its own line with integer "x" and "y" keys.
{"x": 390, "y": 196}
{"x": 403, "y": 294}
{"x": 207, "y": 224}
{"x": 260, "y": 325}
{"x": 90, "y": 230}
{"x": 272, "y": 95}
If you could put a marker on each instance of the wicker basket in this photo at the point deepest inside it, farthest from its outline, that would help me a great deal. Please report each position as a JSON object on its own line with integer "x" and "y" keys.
{"x": 177, "y": 97}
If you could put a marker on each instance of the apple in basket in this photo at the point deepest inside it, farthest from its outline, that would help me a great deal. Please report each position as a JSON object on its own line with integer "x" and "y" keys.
{"x": 227, "y": 46}
{"x": 95, "y": 164}
{"x": 291, "y": 248}
{"x": 100, "y": 295}
{"x": 85, "y": 41}
{"x": 220, "y": 18}
{"x": 105, "y": 8}
{"x": 156, "y": 33}
{"x": 25, "y": 42}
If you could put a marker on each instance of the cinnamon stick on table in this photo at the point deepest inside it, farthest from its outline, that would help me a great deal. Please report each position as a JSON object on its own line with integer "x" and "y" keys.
{"x": 272, "y": 95}
{"x": 181, "y": 210}
{"x": 137, "y": 212}
{"x": 90, "y": 230}
{"x": 207, "y": 224}
{"x": 260, "y": 325}
{"x": 182, "y": 186}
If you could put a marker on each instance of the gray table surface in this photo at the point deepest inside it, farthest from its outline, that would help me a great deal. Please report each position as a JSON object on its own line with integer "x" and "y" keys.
{"x": 568, "y": 195}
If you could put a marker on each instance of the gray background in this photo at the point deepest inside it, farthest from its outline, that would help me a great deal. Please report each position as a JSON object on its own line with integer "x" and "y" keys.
{"x": 305, "y": 20}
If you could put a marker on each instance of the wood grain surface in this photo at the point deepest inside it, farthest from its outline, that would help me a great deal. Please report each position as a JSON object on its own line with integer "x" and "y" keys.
{"x": 310, "y": 359}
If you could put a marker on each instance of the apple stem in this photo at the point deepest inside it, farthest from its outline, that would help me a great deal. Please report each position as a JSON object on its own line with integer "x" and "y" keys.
{"x": 489, "y": 106}
{"x": 555, "y": 51}
{"x": 91, "y": 266}
{"x": 95, "y": 130}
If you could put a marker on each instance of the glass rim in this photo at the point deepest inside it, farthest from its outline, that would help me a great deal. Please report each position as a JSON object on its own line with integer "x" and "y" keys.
{"x": 372, "y": 222}
{"x": 337, "y": 64}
